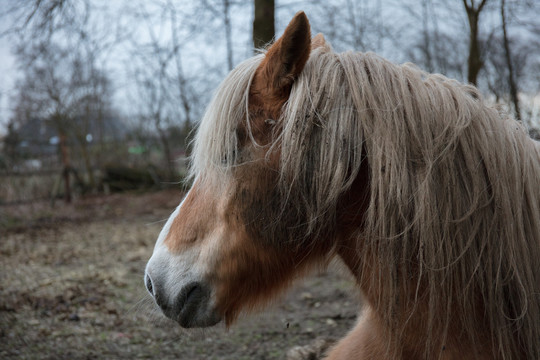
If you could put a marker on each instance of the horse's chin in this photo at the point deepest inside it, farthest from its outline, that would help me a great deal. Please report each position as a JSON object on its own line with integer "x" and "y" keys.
{"x": 193, "y": 307}
{"x": 198, "y": 321}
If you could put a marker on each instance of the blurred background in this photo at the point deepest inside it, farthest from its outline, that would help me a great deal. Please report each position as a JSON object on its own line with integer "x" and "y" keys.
{"x": 101, "y": 96}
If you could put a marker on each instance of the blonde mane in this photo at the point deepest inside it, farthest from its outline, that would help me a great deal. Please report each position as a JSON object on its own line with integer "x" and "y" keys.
{"x": 454, "y": 186}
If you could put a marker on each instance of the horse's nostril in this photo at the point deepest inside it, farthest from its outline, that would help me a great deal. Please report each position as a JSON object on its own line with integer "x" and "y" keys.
{"x": 148, "y": 283}
{"x": 156, "y": 292}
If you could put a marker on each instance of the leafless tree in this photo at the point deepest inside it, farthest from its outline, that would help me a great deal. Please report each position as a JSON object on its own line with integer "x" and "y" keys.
{"x": 62, "y": 50}
{"x": 60, "y": 86}
{"x": 165, "y": 93}
{"x": 263, "y": 23}
{"x": 177, "y": 51}
{"x": 508, "y": 57}
{"x": 347, "y": 24}
{"x": 184, "y": 87}
{"x": 432, "y": 48}
{"x": 37, "y": 20}
{"x": 475, "y": 61}
{"x": 512, "y": 58}
{"x": 221, "y": 9}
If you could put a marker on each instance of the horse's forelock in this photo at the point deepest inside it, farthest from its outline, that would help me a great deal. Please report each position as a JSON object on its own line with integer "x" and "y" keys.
{"x": 216, "y": 144}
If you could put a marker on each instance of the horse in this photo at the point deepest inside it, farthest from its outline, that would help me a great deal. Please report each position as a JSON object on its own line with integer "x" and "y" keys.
{"x": 425, "y": 191}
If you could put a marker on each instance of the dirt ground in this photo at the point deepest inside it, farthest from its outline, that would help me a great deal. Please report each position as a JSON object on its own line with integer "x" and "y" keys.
{"x": 71, "y": 288}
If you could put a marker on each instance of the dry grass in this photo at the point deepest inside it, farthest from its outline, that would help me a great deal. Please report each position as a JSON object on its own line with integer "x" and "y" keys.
{"x": 71, "y": 288}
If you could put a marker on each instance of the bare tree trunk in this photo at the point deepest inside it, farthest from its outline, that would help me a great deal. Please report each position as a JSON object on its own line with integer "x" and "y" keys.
{"x": 263, "y": 23}
{"x": 475, "y": 62}
{"x": 82, "y": 132}
{"x": 167, "y": 157}
{"x": 180, "y": 73}
{"x": 508, "y": 55}
{"x": 88, "y": 164}
{"x": 66, "y": 167}
{"x": 228, "y": 39}
{"x": 426, "y": 37}
{"x": 357, "y": 19}
{"x": 167, "y": 151}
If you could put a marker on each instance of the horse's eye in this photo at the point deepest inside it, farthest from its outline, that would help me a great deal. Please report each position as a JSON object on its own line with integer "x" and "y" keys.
{"x": 225, "y": 159}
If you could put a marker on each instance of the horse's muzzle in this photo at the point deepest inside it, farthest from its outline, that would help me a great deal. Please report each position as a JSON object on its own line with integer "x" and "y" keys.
{"x": 191, "y": 308}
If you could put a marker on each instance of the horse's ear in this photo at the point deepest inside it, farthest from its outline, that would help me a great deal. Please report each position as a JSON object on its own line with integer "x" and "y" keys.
{"x": 320, "y": 42}
{"x": 286, "y": 58}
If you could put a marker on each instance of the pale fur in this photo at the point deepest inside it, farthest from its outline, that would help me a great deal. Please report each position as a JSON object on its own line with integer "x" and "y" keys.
{"x": 455, "y": 187}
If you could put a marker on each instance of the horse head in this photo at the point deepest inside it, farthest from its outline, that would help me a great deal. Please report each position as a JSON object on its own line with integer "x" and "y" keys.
{"x": 234, "y": 241}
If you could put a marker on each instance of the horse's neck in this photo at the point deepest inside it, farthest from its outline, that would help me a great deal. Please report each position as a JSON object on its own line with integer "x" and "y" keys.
{"x": 365, "y": 265}
{"x": 411, "y": 334}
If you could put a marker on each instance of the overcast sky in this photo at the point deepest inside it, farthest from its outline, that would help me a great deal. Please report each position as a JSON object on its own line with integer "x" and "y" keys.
{"x": 394, "y": 12}
{"x": 242, "y": 18}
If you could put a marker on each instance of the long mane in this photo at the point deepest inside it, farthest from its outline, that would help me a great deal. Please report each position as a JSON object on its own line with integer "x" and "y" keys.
{"x": 454, "y": 186}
